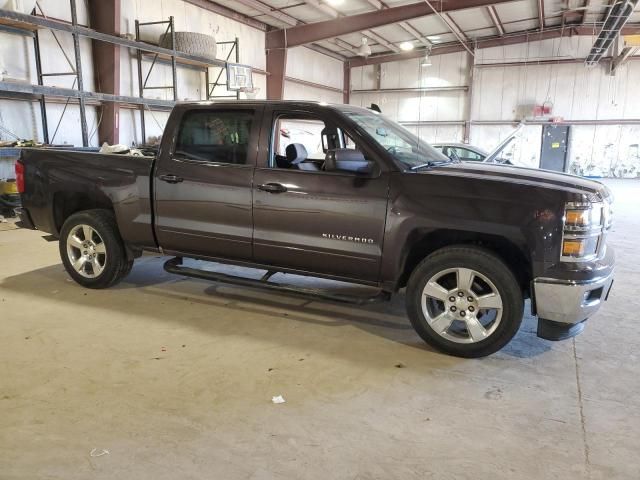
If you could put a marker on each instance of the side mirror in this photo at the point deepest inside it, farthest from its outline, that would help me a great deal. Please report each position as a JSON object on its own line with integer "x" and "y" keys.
{"x": 347, "y": 160}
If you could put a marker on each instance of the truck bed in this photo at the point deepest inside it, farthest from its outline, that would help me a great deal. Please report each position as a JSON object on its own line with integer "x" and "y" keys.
{"x": 67, "y": 179}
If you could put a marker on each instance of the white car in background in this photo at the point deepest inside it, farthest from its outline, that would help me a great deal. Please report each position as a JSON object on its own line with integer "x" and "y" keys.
{"x": 470, "y": 153}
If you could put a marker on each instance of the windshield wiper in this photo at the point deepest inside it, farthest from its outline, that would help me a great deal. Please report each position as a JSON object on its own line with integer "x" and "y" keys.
{"x": 430, "y": 163}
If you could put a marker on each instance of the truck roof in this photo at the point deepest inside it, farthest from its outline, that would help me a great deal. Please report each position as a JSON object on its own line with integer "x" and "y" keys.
{"x": 288, "y": 103}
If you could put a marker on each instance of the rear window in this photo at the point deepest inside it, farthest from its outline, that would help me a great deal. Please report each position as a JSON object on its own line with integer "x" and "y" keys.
{"x": 215, "y": 136}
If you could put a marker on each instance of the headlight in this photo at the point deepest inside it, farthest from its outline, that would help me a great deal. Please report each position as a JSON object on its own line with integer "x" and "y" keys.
{"x": 584, "y": 228}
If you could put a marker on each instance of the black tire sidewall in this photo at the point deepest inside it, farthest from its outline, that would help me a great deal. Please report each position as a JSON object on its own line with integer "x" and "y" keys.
{"x": 104, "y": 223}
{"x": 482, "y": 261}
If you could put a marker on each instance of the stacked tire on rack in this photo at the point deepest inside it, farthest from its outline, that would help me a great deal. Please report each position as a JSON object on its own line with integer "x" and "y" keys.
{"x": 191, "y": 43}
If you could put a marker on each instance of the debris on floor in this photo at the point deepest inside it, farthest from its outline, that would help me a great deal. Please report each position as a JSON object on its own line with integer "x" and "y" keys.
{"x": 278, "y": 399}
{"x": 96, "y": 453}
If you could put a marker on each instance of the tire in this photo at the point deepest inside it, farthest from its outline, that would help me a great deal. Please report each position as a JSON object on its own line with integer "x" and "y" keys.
{"x": 483, "y": 319}
{"x": 192, "y": 43}
{"x": 106, "y": 262}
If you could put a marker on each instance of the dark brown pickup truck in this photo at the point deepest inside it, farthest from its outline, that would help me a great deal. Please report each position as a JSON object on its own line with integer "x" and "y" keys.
{"x": 340, "y": 192}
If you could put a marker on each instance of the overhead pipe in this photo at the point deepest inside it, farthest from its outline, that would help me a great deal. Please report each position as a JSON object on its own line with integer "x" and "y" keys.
{"x": 618, "y": 15}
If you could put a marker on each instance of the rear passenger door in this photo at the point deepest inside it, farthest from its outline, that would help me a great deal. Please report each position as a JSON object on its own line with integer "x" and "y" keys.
{"x": 203, "y": 185}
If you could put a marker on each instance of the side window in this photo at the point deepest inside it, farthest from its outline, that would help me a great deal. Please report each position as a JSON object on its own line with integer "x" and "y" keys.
{"x": 298, "y": 143}
{"x": 215, "y": 136}
{"x": 468, "y": 155}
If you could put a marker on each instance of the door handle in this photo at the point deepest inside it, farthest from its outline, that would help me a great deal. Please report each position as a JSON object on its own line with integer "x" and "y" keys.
{"x": 170, "y": 178}
{"x": 272, "y": 187}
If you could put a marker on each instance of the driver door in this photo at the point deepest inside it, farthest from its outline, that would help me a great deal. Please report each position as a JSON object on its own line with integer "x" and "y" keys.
{"x": 329, "y": 223}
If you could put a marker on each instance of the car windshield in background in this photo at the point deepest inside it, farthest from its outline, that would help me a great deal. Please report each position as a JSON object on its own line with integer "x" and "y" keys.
{"x": 405, "y": 147}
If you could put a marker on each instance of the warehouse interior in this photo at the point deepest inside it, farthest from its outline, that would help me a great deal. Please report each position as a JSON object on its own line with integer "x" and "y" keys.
{"x": 167, "y": 375}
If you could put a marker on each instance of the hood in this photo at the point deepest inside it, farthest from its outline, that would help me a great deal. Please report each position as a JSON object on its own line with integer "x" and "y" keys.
{"x": 491, "y": 157}
{"x": 523, "y": 176}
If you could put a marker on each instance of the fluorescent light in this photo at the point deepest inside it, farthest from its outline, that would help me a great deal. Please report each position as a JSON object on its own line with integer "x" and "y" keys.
{"x": 433, "y": 37}
{"x": 406, "y": 46}
{"x": 335, "y": 3}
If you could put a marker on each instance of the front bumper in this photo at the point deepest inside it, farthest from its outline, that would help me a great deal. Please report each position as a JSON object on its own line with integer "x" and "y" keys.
{"x": 568, "y": 301}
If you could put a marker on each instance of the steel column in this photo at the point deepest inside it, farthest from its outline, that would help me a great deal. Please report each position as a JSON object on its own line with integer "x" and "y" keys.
{"x": 41, "y": 100}
{"x": 143, "y": 130}
{"x": 174, "y": 67}
{"x": 346, "y": 84}
{"x": 276, "y": 66}
{"x": 105, "y": 17}
{"x": 76, "y": 50}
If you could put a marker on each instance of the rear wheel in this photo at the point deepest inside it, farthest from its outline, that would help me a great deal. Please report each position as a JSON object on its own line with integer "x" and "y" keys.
{"x": 464, "y": 301}
{"x": 92, "y": 250}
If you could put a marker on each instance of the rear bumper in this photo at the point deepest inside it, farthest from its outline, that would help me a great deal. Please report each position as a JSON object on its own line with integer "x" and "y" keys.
{"x": 569, "y": 301}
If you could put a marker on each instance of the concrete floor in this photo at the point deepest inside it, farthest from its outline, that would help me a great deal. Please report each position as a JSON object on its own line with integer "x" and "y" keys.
{"x": 174, "y": 378}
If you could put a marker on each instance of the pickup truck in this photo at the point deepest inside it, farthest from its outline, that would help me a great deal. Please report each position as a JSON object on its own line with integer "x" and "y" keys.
{"x": 339, "y": 192}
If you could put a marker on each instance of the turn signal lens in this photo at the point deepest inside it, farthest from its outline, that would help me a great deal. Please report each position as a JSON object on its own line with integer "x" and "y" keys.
{"x": 578, "y": 218}
{"x": 573, "y": 248}
{"x": 580, "y": 247}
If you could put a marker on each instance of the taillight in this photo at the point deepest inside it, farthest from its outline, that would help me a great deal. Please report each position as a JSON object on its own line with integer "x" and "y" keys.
{"x": 20, "y": 176}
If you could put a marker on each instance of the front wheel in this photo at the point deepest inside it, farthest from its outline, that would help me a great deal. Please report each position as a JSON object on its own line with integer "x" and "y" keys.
{"x": 92, "y": 250}
{"x": 464, "y": 301}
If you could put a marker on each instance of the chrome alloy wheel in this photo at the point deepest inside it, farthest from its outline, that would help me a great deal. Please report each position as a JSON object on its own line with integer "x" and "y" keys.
{"x": 462, "y": 305}
{"x": 86, "y": 251}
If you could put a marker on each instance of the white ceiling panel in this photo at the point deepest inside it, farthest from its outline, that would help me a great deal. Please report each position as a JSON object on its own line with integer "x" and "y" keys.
{"x": 472, "y": 19}
{"x": 520, "y": 26}
{"x": 515, "y": 11}
{"x": 393, "y": 33}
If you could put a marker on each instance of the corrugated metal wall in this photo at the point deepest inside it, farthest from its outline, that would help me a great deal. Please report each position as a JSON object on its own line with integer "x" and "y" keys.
{"x": 503, "y": 94}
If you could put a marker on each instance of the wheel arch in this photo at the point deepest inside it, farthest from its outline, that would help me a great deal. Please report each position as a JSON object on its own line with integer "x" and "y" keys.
{"x": 420, "y": 244}
{"x": 66, "y": 204}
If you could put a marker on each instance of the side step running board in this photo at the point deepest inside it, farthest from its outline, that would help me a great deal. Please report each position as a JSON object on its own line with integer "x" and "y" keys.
{"x": 175, "y": 266}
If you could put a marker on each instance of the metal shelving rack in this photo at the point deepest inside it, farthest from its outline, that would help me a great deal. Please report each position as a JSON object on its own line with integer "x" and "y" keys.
{"x": 174, "y": 61}
{"x": 28, "y": 25}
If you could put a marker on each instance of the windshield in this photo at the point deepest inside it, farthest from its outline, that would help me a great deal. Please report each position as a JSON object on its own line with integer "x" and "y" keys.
{"x": 405, "y": 147}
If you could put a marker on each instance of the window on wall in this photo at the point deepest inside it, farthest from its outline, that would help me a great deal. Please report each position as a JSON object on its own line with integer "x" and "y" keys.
{"x": 215, "y": 136}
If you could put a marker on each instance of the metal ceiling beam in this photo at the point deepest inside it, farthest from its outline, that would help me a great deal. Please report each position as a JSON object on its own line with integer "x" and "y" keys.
{"x": 509, "y": 39}
{"x": 267, "y": 10}
{"x": 345, "y": 45}
{"x": 587, "y": 4}
{"x": 617, "y": 17}
{"x": 323, "y": 7}
{"x": 326, "y": 51}
{"x": 448, "y": 21}
{"x": 407, "y": 27}
{"x": 313, "y": 32}
{"x": 227, "y": 12}
{"x": 621, "y": 58}
{"x": 541, "y": 14}
{"x": 381, "y": 40}
{"x": 332, "y": 12}
{"x": 455, "y": 28}
{"x": 493, "y": 13}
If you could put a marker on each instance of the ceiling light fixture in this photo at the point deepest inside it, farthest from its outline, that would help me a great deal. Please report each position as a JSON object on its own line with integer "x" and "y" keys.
{"x": 364, "y": 50}
{"x": 433, "y": 37}
{"x": 335, "y": 3}
{"x": 406, "y": 46}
